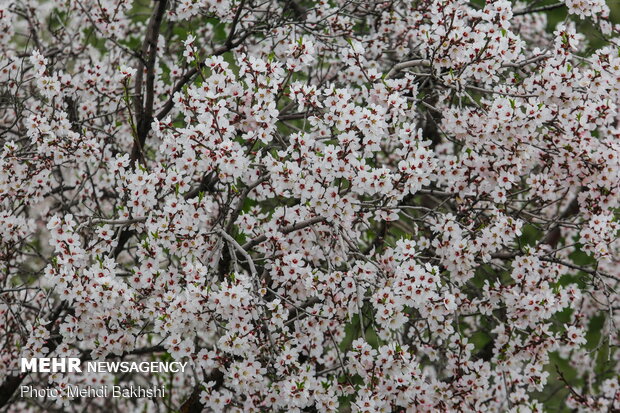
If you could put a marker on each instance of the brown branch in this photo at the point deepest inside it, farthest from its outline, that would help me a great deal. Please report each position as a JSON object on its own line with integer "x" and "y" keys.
{"x": 553, "y": 236}
{"x": 285, "y": 230}
{"x": 229, "y": 45}
{"x": 538, "y": 9}
{"x": 12, "y": 383}
{"x": 580, "y": 268}
{"x": 144, "y": 108}
{"x": 296, "y": 116}
{"x": 193, "y": 404}
{"x": 187, "y": 77}
{"x": 207, "y": 184}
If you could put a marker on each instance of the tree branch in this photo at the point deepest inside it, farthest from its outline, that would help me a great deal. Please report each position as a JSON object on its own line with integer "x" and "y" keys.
{"x": 144, "y": 108}
{"x": 285, "y": 230}
{"x": 538, "y": 9}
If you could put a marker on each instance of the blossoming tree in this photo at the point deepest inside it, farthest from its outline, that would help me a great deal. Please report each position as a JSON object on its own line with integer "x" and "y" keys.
{"x": 332, "y": 205}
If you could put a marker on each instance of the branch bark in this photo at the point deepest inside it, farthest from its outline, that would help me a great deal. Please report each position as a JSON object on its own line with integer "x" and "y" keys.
{"x": 12, "y": 383}
{"x": 143, "y": 107}
{"x": 285, "y": 230}
{"x": 538, "y": 9}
